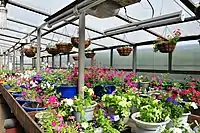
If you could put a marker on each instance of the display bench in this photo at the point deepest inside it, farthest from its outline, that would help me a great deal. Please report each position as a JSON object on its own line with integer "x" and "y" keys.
{"x": 24, "y": 118}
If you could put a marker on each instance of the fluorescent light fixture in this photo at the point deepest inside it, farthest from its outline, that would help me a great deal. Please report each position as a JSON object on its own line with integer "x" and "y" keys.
{"x": 141, "y": 25}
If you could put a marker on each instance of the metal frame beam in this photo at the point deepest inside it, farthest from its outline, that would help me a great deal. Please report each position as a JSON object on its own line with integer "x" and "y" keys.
{"x": 190, "y": 5}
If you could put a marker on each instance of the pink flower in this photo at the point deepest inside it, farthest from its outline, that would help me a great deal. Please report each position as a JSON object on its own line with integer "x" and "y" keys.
{"x": 60, "y": 118}
{"x": 53, "y": 99}
{"x": 53, "y": 123}
{"x": 24, "y": 93}
{"x": 58, "y": 128}
{"x": 71, "y": 118}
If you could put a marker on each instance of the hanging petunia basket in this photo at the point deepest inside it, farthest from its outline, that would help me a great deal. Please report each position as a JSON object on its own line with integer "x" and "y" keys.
{"x": 124, "y": 3}
{"x": 75, "y": 42}
{"x": 166, "y": 47}
{"x": 52, "y": 51}
{"x": 90, "y": 55}
{"x": 75, "y": 57}
{"x": 30, "y": 51}
{"x": 64, "y": 47}
{"x": 124, "y": 51}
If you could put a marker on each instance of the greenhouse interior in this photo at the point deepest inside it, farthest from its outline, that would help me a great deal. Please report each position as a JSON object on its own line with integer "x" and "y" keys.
{"x": 100, "y": 66}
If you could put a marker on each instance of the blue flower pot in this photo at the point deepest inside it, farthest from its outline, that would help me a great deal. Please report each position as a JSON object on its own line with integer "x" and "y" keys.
{"x": 107, "y": 89}
{"x": 17, "y": 94}
{"x": 7, "y": 86}
{"x": 67, "y": 91}
{"x": 20, "y": 101}
{"x": 27, "y": 108}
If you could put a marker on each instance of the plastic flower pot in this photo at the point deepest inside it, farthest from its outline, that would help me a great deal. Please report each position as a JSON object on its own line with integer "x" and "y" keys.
{"x": 89, "y": 113}
{"x": 16, "y": 94}
{"x": 21, "y": 101}
{"x": 107, "y": 89}
{"x": 7, "y": 87}
{"x": 146, "y": 127}
{"x": 32, "y": 106}
{"x": 67, "y": 91}
{"x": 182, "y": 120}
{"x": 145, "y": 84}
{"x": 38, "y": 78}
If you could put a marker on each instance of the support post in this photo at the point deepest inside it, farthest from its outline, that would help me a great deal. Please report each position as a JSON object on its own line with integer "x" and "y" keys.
{"x": 81, "y": 50}
{"x": 111, "y": 57}
{"x": 53, "y": 61}
{"x": 47, "y": 59}
{"x": 4, "y": 61}
{"x": 14, "y": 61}
{"x": 68, "y": 58}
{"x": 38, "y": 62}
{"x": 134, "y": 61}
{"x": 170, "y": 62}
{"x": 8, "y": 66}
{"x": 22, "y": 60}
{"x": 60, "y": 61}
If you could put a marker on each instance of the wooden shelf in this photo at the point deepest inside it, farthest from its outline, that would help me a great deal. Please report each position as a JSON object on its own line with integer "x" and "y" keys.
{"x": 29, "y": 125}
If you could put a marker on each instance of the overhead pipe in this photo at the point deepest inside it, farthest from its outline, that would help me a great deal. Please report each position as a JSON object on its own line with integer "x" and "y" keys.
{"x": 163, "y": 17}
{"x": 146, "y": 25}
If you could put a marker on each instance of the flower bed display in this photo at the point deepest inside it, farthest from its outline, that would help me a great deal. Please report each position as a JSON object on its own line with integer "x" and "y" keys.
{"x": 75, "y": 42}
{"x": 111, "y": 97}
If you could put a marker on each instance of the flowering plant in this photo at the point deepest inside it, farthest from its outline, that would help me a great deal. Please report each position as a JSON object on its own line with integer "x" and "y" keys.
{"x": 143, "y": 78}
{"x": 170, "y": 39}
{"x": 131, "y": 80}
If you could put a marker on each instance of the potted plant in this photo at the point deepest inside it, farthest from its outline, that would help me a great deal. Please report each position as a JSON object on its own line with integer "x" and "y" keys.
{"x": 52, "y": 49}
{"x": 124, "y": 3}
{"x": 84, "y": 107}
{"x": 75, "y": 57}
{"x": 144, "y": 81}
{"x": 167, "y": 46}
{"x": 90, "y": 54}
{"x": 75, "y": 42}
{"x": 64, "y": 47}
{"x": 30, "y": 51}
{"x": 124, "y": 51}
{"x": 151, "y": 117}
{"x": 66, "y": 83}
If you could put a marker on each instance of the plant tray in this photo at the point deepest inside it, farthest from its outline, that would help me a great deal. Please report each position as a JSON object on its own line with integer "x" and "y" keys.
{"x": 64, "y": 47}
{"x": 166, "y": 47}
{"x": 90, "y": 55}
{"x": 75, "y": 42}
{"x": 124, "y": 51}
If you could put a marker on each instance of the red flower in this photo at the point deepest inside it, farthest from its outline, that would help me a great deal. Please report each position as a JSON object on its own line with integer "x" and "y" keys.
{"x": 185, "y": 92}
{"x": 194, "y": 99}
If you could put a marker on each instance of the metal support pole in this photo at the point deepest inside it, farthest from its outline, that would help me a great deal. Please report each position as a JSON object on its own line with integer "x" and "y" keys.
{"x": 111, "y": 57}
{"x": 22, "y": 60}
{"x": 38, "y": 62}
{"x": 60, "y": 61}
{"x": 8, "y": 67}
{"x": 4, "y": 61}
{"x": 68, "y": 58}
{"x": 134, "y": 61}
{"x": 53, "y": 61}
{"x": 42, "y": 59}
{"x": 14, "y": 54}
{"x": 170, "y": 62}
{"x": 47, "y": 59}
{"x": 81, "y": 50}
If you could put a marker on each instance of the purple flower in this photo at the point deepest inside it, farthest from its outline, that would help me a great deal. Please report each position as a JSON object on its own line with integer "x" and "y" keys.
{"x": 112, "y": 118}
{"x": 170, "y": 99}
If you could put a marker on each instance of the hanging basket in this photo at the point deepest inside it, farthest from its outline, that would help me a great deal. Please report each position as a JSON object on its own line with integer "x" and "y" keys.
{"x": 52, "y": 51}
{"x": 90, "y": 55}
{"x": 30, "y": 52}
{"x": 75, "y": 42}
{"x": 124, "y": 3}
{"x": 124, "y": 51}
{"x": 64, "y": 47}
{"x": 166, "y": 47}
{"x": 75, "y": 58}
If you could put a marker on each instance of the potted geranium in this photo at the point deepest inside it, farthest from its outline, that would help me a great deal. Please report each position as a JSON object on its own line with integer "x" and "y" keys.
{"x": 152, "y": 117}
{"x": 52, "y": 49}
{"x": 84, "y": 107}
{"x": 124, "y": 51}
{"x": 64, "y": 47}
{"x": 167, "y": 46}
{"x": 75, "y": 42}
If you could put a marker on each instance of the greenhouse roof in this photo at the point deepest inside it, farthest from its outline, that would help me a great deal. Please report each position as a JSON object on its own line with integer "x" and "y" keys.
{"x": 24, "y": 16}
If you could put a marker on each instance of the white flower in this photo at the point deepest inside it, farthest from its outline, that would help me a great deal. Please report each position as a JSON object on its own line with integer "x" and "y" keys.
{"x": 84, "y": 125}
{"x": 69, "y": 102}
{"x": 84, "y": 88}
{"x": 91, "y": 92}
{"x": 175, "y": 130}
{"x": 48, "y": 85}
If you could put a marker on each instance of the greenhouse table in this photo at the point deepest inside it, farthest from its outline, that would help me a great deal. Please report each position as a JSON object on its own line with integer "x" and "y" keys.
{"x": 29, "y": 125}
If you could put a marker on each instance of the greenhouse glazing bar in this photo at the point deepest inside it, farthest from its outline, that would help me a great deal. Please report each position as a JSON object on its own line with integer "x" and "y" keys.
{"x": 14, "y": 62}
{"x": 22, "y": 60}
{"x": 38, "y": 50}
